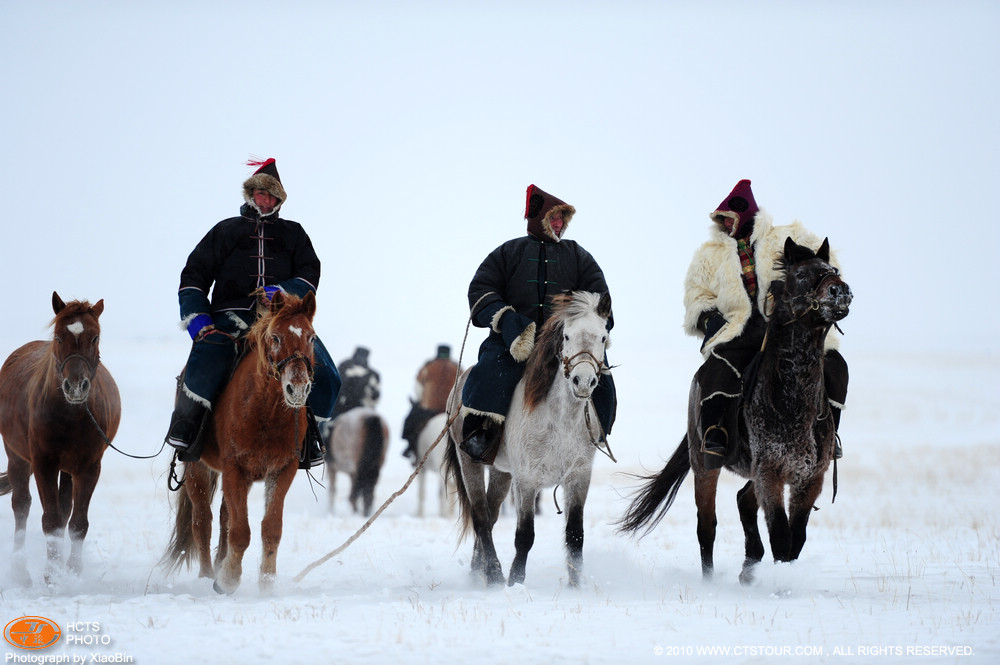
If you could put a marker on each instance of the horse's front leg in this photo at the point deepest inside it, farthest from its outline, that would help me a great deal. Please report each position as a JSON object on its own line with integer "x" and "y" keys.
{"x": 53, "y": 522}
{"x": 576, "y": 493}
{"x": 524, "y": 536}
{"x": 235, "y": 488}
{"x": 706, "y": 484}
{"x": 771, "y": 495}
{"x": 801, "y": 500}
{"x": 272, "y": 523}
{"x": 746, "y": 501}
{"x": 83, "y": 485}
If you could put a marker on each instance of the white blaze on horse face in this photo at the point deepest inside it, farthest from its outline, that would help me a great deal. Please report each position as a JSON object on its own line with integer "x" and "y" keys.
{"x": 295, "y": 330}
{"x": 76, "y": 328}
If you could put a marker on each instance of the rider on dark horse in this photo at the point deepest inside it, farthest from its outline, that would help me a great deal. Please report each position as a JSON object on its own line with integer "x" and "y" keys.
{"x": 725, "y": 301}
{"x": 258, "y": 249}
{"x": 361, "y": 383}
{"x": 509, "y": 295}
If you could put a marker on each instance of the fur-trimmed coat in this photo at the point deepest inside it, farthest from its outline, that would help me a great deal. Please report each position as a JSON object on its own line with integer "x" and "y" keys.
{"x": 714, "y": 279}
{"x": 240, "y": 254}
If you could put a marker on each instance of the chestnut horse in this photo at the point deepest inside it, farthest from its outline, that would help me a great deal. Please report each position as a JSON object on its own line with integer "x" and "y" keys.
{"x": 59, "y": 411}
{"x": 787, "y": 434}
{"x": 550, "y": 436}
{"x": 258, "y": 425}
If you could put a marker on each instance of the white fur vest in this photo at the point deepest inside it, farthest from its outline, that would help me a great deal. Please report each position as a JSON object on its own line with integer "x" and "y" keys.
{"x": 714, "y": 279}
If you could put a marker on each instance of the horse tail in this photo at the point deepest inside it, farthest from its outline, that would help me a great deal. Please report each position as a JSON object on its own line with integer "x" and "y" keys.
{"x": 182, "y": 549}
{"x": 372, "y": 456}
{"x": 453, "y": 471}
{"x": 5, "y": 487}
{"x": 645, "y": 510}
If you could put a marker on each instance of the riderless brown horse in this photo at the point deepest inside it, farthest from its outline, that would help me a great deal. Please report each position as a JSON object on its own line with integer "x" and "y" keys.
{"x": 787, "y": 432}
{"x": 59, "y": 411}
{"x": 258, "y": 426}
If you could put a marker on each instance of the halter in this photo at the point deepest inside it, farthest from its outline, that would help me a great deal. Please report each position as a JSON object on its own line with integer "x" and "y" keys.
{"x": 91, "y": 367}
{"x": 276, "y": 367}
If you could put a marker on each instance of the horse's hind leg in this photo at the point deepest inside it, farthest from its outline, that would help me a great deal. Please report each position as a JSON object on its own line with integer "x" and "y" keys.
{"x": 746, "y": 501}
{"x": 524, "y": 536}
{"x": 706, "y": 484}
{"x": 800, "y": 506}
{"x": 19, "y": 477}
{"x": 484, "y": 515}
{"x": 197, "y": 484}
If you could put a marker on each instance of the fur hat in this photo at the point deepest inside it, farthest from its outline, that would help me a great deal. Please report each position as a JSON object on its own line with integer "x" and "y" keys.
{"x": 539, "y": 209}
{"x": 736, "y": 212}
{"x": 265, "y": 177}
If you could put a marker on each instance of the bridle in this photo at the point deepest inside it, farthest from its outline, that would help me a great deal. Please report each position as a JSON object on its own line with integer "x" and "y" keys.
{"x": 810, "y": 298}
{"x": 91, "y": 366}
{"x": 278, "y": 366}
{"x": 570, "y": 363}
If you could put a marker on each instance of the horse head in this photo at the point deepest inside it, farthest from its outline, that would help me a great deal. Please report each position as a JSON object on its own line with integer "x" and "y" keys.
{"x": 75, "y": 346}
{"x": 573, "y": 340}
{"x": 283, "y": 337}
{"x": 812, "y": 290}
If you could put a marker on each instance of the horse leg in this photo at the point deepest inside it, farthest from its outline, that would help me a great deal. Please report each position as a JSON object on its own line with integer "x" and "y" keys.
{"x": 770, "y": 493}
{"x": 83, "y": 485}
{"x": 65, "y": 495}
{"x": 223, "y": 548}
{"x": 484, "y": 553}
{"x": 19, "y": 477}
{"x": 271, "y": 525}
{"x": 706, "y": 484}
{"x": 746, "y": 501}
{"x": 524, "y": 536}
{"x": 576, "y": 493}
{"x": 197, "y": 484}
{"x": 53, "y": 523}
{"x": 800, "y": 506}
{"x": 235, "y": 488}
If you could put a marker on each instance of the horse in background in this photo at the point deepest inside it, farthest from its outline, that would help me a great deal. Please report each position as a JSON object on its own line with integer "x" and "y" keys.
{"x": 549, "y": 438}
{"x": 257, "y": 427}
{"x": 356, "y": 444}
{"x": 59, "y": 411}
{"x": 786, "y": 434}
{"x": 421, "y": 429}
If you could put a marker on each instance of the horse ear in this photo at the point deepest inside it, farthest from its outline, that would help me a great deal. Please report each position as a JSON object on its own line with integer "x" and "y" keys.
{"x": 57, "y": 304}
{"x": 309, "y": 304}
{"x": 604, "y": 306}
{"x": 824, "y": 250}
{"x": 98, "y": 308}
{"x": 277, "y": 301}
{"x": 795, "y": 253}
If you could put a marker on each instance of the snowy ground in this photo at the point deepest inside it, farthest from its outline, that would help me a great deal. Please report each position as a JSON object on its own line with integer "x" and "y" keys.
{"x": 904, "y": 565}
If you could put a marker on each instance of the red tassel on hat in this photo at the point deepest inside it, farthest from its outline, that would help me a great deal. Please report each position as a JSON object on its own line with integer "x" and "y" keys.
{"x": 260, "y": 164}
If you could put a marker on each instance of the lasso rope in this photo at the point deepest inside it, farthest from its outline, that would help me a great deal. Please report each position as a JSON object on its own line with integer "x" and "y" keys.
{"x": 416, "y": 471}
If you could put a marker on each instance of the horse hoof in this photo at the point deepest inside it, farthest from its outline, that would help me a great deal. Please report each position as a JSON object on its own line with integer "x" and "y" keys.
{"x": 747, "y": 577}
{"x": 221, "y": 591}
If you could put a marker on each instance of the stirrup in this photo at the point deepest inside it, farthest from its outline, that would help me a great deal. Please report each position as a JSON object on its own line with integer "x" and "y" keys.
{"x": 713, "y": 457}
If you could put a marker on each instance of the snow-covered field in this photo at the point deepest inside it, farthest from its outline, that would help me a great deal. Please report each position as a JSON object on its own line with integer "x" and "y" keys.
{"x": 904, "y": 565}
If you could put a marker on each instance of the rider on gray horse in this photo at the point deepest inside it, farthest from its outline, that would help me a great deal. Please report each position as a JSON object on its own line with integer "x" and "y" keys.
{"x": 725, "y": 301}
{"x": 509, "y": 295}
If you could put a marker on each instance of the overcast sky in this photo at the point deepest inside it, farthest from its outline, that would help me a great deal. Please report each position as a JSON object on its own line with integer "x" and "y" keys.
{"x": 406, "y": 134}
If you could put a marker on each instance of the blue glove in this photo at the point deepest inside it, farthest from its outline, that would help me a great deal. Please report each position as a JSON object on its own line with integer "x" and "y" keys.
{"x": 269, "y": 291}
{"x": 197, "y": 324}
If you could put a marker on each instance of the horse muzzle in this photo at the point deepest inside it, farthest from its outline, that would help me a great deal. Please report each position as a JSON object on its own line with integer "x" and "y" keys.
{"x": 837, "y": 299}
{"x": 76, "y": 391}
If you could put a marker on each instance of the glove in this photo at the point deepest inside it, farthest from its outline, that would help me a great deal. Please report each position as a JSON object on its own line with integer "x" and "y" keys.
{"x": 518, "y": 332}
{"x": 711, "y": 322}
{"x": 269, "y": 291}
{"x": 197, "y": 324}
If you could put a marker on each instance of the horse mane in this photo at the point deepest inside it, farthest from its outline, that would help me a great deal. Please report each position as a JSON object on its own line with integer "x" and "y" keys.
{"x": 543, "y": 364}
{"x": 72, "y": 308}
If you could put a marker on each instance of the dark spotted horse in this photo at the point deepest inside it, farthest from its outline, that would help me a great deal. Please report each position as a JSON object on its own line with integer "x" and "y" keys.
{"x": 787, "y": 432}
